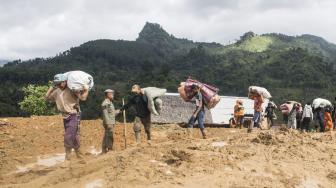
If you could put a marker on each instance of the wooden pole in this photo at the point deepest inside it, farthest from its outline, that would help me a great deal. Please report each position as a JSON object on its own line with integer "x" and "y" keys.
{"x": 124, "y": 114}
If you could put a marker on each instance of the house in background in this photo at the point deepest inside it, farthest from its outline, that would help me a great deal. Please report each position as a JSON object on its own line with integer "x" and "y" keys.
{"x": 175, "y": 110}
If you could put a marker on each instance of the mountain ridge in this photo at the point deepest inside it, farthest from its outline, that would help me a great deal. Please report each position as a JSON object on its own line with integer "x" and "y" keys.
{"x": 292, "y": 68}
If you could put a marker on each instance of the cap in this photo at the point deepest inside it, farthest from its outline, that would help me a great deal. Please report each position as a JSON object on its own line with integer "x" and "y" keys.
{"x": 58, "y": 78}
{"x": 109, "y": 91}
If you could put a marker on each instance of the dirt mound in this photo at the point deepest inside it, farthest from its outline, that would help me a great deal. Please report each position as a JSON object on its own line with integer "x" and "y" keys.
{"x": 265, "y": 138}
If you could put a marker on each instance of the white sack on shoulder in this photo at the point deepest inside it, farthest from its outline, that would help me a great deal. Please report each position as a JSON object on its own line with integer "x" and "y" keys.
{"x": 77, "y": 79}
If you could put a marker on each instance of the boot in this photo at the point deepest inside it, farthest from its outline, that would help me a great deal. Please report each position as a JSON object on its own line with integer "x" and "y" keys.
{"x": 138, "y": 138}
{"x": 203, "y": 134}
{"x": 190, "y": 132}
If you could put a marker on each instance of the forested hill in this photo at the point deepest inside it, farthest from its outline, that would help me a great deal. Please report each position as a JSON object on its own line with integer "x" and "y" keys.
{"x": 292, "y": 68}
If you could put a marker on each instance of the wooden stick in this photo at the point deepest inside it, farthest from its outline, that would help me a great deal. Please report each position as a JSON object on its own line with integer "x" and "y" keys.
{"x": 124, "y": 114}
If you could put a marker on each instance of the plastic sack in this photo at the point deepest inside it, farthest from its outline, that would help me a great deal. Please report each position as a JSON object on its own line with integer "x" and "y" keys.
{"x": 259, "y": 90}
{"x": 77, "y": 79}
{"x": 154, "y": 103}
{"x": 183, "y": 93}
{"x": 208, "y": 92}
{"x": 288, "y": 106}
{"x": 322, "y": 103}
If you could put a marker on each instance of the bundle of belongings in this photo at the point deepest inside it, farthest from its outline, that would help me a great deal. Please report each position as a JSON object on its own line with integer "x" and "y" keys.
{"x": 77, "y": 79}
{"x": 321, "y": 103}
{"x": 255, "y": 90}
{"x": 288, "y": 106}
{"x": 154, "y": 102}
{"x": 209, "y": 93}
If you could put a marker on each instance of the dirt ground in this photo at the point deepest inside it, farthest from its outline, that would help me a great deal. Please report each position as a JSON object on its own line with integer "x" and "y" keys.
{"x": 31, "y": 151}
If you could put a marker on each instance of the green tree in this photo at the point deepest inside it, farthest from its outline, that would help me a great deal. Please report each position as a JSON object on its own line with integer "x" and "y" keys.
{"x": 34, "y": 102}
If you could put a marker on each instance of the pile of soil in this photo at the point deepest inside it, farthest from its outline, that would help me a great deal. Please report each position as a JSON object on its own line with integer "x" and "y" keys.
{"x": 228, "y": 158}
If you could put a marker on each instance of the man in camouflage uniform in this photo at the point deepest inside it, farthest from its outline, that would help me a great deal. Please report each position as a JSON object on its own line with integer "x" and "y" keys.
{"x": 108, "y": 115}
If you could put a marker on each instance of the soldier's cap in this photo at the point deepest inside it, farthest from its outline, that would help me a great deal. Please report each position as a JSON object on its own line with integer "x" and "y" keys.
{"x": 109, "y": 91}
{"x": 58, "y": 78}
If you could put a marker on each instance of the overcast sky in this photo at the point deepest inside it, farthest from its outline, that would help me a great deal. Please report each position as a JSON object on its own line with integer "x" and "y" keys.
{"x": 42, "y": 28}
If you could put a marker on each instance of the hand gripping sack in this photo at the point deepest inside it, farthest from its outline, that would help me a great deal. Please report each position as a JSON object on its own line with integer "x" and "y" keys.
{"x": 154, "y": 103}
{"x": 77, "y": 79}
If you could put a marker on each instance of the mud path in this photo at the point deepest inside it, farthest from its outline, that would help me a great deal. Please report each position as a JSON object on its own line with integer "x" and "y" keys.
{"x": 228, "y": 158}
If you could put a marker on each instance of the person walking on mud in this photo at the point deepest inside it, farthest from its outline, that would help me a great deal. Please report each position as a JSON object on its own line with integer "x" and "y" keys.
{"x": 270, "y": 113}
{"x": 292, "y": 117}
{"x": 307, "y": 117}
{"x": 319, "y": 111}
{"x": 143, "y": 115}
{"x": 199, "y": 113}
{"x": 108, "y": 116}
{"x": 239, "y": 113}
{"x": 67, "y": 103}
{"x": 258, "y": 101}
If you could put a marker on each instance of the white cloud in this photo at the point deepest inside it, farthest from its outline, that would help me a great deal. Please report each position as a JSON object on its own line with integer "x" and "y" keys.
{"x": 41, "y": 28}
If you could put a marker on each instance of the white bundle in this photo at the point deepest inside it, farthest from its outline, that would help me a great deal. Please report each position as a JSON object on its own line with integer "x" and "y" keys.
{"x": 154, "y": 103}
{"x": 319, "y": 102}
{"x": 77, "y": 79}
{"x": 260, "y": 90}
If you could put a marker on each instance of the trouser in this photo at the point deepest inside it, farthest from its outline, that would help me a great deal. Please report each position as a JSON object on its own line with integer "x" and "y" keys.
{"x": 71, "y": 134}
{"x": 107, "y": 143}
{"x": 320, "y": 118}
{"x": 240, "y": 121}
{"x": 306, "y": 123}
{"x": 298, "y": 124}
{"x": 285, "y": 118}
{"x": 291, "y": 123}
{"x": 146, "y": 122}
{"x": 270, "y": 120}
{"x": 200, "y": 118}
{"x": 256, "y": 120}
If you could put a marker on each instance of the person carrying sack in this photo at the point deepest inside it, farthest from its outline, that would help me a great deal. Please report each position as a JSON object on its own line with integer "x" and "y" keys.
{"x": 67, "y": 103}
{"x": 258, "y": 101}
{"x": 199, "y": 113}
{"x": 143, "y": 115}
